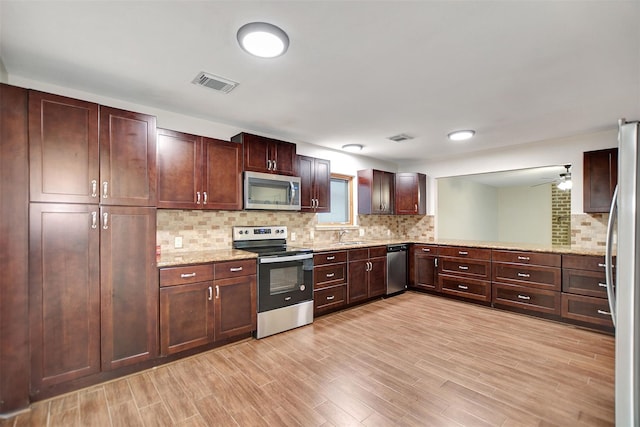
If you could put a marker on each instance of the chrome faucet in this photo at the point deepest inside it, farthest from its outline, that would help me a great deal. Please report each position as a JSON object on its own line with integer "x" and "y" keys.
{"x": 341, "y": 233}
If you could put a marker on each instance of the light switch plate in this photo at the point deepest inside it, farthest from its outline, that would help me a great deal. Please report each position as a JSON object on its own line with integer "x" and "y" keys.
{"x": 177, "y": 242}
{"x": 361, "y": 231}
{"x": 293, "y": 236}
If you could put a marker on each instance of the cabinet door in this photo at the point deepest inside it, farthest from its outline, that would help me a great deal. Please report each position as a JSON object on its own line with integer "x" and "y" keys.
{"x": 129, "y": 285}
{"x": 63, "y": 149}
{"x": 222, "y": 175}
{"x": 377, "y": 277}
{"x": 322, "y": 184}
{"x": 600, "y": 178}
{"x": 64, "y": 294}
{"x": 127, "y": 158}
{"x": 358, "y": 277}
{"x": 256, "y": 152}
{"x": 284, "y": 157}
{"x": 305, "y": 170}
{"x": 235, "y": 306}
{"x": 406, "y": 200}
{"x": 179, "y": 170}
{"x": 377, "y": 198}
{"x": 186, "y": 316}
{"x": 424, "y": 271}
{"x": 387, "y": 192}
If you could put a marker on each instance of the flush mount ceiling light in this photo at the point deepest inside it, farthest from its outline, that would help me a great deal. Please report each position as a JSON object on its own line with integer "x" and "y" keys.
{"x": 352, "y": 147}
{"x": 461, "y": 135}
{"x": 263, "y": 39}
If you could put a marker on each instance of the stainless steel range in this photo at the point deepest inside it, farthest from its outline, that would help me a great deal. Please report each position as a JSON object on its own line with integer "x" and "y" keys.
{"x": 285, "y": 278}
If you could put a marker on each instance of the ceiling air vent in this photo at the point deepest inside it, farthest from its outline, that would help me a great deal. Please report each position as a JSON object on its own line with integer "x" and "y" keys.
{"x": 400, "y": 137}
{"x": 214, "y": 82}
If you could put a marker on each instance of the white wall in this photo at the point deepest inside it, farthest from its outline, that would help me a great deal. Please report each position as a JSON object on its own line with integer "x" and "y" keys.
{"x": 541, "y": 153}
{"x": 471, "y": 210}
{"x": 524, "y": 214}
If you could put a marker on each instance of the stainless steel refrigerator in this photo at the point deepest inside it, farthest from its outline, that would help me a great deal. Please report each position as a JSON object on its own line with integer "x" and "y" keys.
{"x": 624, "y": 293}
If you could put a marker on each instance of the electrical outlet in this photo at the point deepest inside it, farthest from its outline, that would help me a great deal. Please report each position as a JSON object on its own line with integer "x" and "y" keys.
{"x": 293, "y": 236}
{"x": 388, "y": 233}
{"x": 311, "y": 234}
{"x": 361, "y": 232}
{"x": 177, "y": 242}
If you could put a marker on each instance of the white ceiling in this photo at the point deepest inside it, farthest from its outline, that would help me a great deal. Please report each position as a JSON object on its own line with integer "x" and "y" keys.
{"x": 355, "y": 72}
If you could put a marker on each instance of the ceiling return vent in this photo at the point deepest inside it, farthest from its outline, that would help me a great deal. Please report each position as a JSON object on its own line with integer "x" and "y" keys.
{"x": 214, "y": 82}
{"x": 400, "y": 137}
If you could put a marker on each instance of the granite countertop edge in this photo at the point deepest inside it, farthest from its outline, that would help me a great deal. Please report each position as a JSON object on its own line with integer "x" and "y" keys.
{"x": 217, "y": 255}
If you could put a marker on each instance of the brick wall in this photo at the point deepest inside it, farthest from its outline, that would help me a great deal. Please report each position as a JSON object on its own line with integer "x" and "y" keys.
{"x": 560, "y": 216}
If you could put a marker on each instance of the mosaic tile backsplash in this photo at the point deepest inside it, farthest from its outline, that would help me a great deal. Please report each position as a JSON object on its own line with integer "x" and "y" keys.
{"x": 203, "y": 230}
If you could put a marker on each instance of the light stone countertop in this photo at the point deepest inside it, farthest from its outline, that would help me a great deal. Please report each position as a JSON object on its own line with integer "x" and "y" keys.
{"x": 216, "y": 255}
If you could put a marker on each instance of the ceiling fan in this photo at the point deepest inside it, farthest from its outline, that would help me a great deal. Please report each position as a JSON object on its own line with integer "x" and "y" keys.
{"x": 563, "y": 182}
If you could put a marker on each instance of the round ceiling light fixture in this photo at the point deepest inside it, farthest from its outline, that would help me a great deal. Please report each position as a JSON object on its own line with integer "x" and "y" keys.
{"x": 461, "y": 135}
{"x": 263, "y": 39}
{"x": 354, "y": 148}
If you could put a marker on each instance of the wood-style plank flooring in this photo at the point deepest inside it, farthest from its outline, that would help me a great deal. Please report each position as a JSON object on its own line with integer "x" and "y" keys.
{"x": 412, "y": 360}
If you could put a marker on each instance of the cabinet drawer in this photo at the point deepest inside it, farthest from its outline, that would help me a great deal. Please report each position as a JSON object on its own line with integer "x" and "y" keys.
{"x": 358, "y": 254}
{"x": 171, "y": 276}
{"x": 586, "y": 309}
{"x": 536, "y": 258}
{"x": 426, "y": 249}
{"x": 583, "y": 262}
{"x": 378, "y": 251}
{"x": 528, "y": 275}
{"x": 540, "y": 300}
{"x": 228, "y": 269}
{"x": 329, "y": 275}
{"x": 465, "y": 287}
{"x": 465, "y": 267}
{"x": 329, "y": 257}
{"x": 584, "y": 282}
{"x": 329, "y": 298}
{"x": 465, "y": 252}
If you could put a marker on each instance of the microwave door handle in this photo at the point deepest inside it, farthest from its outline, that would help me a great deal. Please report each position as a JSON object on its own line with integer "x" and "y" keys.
{"x": 293, "y": 192}
{"x": 608, "y": 261}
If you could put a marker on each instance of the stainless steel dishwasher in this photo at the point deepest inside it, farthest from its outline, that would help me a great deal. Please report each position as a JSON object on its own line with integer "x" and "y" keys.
{"x": 396, "y": 268}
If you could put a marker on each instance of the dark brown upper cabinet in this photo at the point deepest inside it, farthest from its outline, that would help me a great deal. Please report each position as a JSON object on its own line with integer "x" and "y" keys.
{"x": 262, "y": 154}
{"x": 196, "y": 172}
{"x": 80, "y": 152}
{"x": 315, "y": 184}
{"x": 411, "y": 192}
{"x": 375, "y": 192}
{"x": 600, "y": 179}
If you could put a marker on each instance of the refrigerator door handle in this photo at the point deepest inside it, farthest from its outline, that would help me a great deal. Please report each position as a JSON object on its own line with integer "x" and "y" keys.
{"x": 611, "y": 296}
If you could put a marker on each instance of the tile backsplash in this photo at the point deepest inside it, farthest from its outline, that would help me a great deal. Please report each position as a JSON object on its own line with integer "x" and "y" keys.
{"x": 202, "y": 230}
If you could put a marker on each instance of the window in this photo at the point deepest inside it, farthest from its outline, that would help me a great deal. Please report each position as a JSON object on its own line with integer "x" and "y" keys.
{"x": 341, "y": 202}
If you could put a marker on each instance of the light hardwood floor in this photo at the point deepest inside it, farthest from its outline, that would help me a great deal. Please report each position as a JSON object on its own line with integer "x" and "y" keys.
{"x": 413, "y": 360}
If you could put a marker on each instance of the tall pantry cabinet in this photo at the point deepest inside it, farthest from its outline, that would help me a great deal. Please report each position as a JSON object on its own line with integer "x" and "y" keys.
{"x": 93, "y": 302}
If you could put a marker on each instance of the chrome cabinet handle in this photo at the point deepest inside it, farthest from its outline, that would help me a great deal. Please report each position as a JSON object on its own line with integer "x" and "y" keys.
{"x": 197, "y": 197}
{"x": 463, "y": 287}
{"x": 105, "y": 221}
{"x": 524, "y": 297}
{"x": 210, "y": 293}
{"x": 435, "y": 262}
{"x": 523, "y": 258}
{"x": 274, "y": 166}
{"x": 416, "y": 208}
{"x": 601, "y": 264}
{"x": 94, "y": 220}
{"x": 463, "y": 253}
{"x": 329, "y": 275}
{"x": 463, "y": 267}
{"x": 187, "y": 275}
{"x": 287, "y": 299}
{"x": 94, "y": 188}
{"x": 331, "y": 297}
{"x": 235, "y": 269}
{"x": 331, "y": 258}
{"x": 268, "y": 164}
{"x": 217, "y": 292}
{"x": 602, "y": 285}
{"x": 105, "y": 190}
{"x": 426, "y": 250}
{"x": 205, "y": 197}
{"x": 604, "y": 313}
{"x": 525, "y": 275}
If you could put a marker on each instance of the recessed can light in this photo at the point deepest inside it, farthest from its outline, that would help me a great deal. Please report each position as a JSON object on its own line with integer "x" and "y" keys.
{"x": 352, "y": 147}
{"x": 461, "y": 135}
{"x": 263, "y": 39}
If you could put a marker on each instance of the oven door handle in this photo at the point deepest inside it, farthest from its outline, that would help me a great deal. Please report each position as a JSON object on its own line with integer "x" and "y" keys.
{"x": 274, "y": 259}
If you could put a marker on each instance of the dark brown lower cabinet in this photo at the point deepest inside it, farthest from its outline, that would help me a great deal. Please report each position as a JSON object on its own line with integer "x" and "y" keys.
{"x": 94, "y": 291}
{"x": 423, "y": 267}
{"x": 235, "y": 307}
{"x": 367, "y": 273}
{"x": 586, "y": 309}
{"x": 527, "y": 298}
{"x": 64, "y": 303}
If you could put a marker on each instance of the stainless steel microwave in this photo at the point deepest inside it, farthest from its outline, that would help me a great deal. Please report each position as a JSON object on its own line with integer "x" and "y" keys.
{"x": 271, "y": 192}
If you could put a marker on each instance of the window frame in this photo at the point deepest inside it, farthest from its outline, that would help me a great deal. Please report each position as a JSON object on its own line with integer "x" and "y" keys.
{"x": 350, "y": 179}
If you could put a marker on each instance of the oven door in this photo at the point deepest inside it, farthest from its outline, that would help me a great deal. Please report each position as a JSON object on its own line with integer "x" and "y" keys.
{"x": 284, "y": 280}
